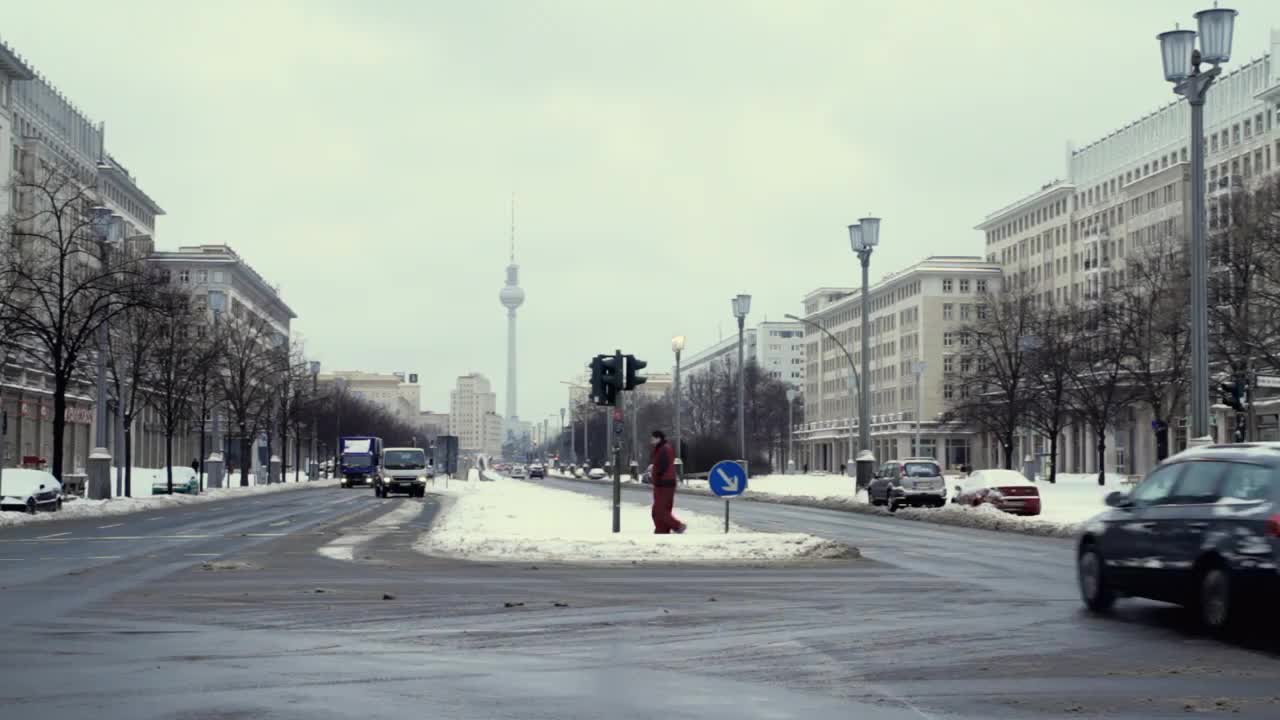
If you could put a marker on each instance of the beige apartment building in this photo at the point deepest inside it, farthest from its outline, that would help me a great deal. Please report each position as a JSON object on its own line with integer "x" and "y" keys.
{"x": 473, "y": 416}
{"x": 1124, "y": 195}
{"x": 915, "y": 315}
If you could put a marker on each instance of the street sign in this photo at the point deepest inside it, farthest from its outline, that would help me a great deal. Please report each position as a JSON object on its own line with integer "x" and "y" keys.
{"x": 1269, "y": 381}
{"x": 728, "y": 479}
{"x": 617, "y": 414}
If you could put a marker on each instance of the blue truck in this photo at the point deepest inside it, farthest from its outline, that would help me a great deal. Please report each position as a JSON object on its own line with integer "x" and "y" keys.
{"x": 361, "y": 462}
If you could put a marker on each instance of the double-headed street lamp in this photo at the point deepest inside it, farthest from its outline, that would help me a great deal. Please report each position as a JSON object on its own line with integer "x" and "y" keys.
{"x": 864, "y": 236}
{"x": 742, "y": 306}
{"x": 677, "y": 346}
{"x": 1182, "y": 68}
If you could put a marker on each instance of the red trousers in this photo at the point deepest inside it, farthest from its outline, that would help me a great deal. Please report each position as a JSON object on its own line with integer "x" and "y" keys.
{"x": 664, "y": 501}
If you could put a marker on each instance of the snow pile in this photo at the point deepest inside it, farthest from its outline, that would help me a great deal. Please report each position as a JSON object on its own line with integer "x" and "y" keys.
{"x": 77, "y": 508}
{"x": 514, "y": 521}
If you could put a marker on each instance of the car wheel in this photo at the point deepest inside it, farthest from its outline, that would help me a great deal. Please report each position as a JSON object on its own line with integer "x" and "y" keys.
{"x": 1217, "y": 607}
{"x": 58, "y": 505}
{"x": 31, "y": 507}
{"x": 893, "y": 505}
{"x": 1090, "y": 571}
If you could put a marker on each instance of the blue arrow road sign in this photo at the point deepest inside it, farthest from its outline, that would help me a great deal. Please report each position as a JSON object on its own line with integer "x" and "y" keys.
{"x": 728, "y": 478}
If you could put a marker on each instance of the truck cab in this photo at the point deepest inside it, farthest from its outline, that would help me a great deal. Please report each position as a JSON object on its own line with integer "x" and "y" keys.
{"x": 361, "y": 462}
{"x": 404, "y": 470}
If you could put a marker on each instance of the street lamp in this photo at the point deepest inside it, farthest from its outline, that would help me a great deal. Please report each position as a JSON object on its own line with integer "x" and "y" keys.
{"x": 864, "y": 236}
{"x": 791, "y": 402}
{"x": 742, "y": 306}
{"x": 314, "y": 368}
{"x": 677, "y": 346}
{"x": 1182, "y": 68}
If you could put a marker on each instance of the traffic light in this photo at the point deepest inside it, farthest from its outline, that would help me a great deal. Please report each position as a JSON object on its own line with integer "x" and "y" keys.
{"x": 634, "y": 366}
{"x": 606, "y": 378}
{"x": 1233, "y": 395}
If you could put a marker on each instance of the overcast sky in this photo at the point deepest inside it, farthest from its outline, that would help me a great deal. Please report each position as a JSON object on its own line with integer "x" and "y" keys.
{"x": 665, "y": 155}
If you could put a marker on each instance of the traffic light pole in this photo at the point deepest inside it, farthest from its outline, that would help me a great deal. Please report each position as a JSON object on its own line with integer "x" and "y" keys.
{"x": 617, "y": 473}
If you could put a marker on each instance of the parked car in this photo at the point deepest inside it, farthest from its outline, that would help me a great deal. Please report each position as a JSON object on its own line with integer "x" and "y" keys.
{"x": 1202, "y": 530}
{"x": 1007, "y": 490}
{"x": 185, "y": 480}
{"x": 537, "y": 471}
{"x": 518, "y": 472}
{"x": 914, "y": 481}
{"x": 29, "y": 491}
{"x": 596, "y": 474}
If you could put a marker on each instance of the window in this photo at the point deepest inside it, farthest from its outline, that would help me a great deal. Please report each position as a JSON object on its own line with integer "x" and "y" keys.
{"x": 982, "y": 312}
{"x": 948, "y": 311}
{"x": 1247, "y": 482}
{"x": 946, "y": 286}
{"x": 202, "y": 276}
{"x": 948, "y": 392}
{"x": 1156, "y": 489}
{"x": 948, "y": 339}
{"x": 1248, "y": 129}
{"x": 948, "y": 364}
{"x": 966, "y": 364}
{"x": 981, "y": 286}
{"x": 964, "y": 311}
{"x": 964, "y": 338}
{"x": 184, "y": 276}
{"x": 964, "y": 285}
{"x": 1199, "y": 483}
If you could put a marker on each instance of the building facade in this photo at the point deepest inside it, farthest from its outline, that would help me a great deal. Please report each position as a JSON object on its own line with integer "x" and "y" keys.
{"x": 778, "y": 349}
{"x": 473, "y": 417}
{"x": 914, "y": 317}
{"x": 1124, "y": 196}
{"x": 40, "y": 126}
{"x": 434, "y": 423}
{"x": 389, "y": 391}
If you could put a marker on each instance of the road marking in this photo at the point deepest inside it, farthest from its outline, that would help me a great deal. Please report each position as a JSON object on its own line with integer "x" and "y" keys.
{"x": 104, "y": 527}
{"x": 104, "y": 557}
{"x": 263, "y": 534}
{"x": 11, "y": 559}
{"x": 279, "y": 523}
{"x": 54, "y": 535}
{"x": 203, "y": 554}
{"x": 158, "y": 517}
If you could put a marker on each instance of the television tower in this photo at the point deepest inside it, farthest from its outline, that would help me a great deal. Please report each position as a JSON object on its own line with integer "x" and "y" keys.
{"x": 512, "y": 297}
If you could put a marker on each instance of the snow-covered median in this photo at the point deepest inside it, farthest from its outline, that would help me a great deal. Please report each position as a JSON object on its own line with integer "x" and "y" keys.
{"x": 513, "y": 521}
{"x": 72, "y": 509}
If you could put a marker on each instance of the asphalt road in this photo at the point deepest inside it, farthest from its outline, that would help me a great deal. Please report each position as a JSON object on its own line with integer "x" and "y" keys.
{"x": 228, "y": 610}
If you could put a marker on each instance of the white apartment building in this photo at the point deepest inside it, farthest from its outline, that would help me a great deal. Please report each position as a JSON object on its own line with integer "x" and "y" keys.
{"x": 777, "y": 347}
{"x": 1069, "y": 240}
{"x": 389, "y": 391}
{"x": 473, "y": 416}
{"x": 914, "y": 317}
{"x": 38, "y": 124}
{"x": 221, "y": 282}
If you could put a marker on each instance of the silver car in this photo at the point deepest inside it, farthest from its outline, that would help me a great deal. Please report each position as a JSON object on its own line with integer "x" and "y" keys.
{"x": 917, "y": 482}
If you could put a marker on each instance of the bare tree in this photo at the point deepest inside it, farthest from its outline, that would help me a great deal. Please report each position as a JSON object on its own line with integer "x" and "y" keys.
{"x": 990, "y": 392}
{"x": 1150, "y": 318}
{"x": 1098, "y": 391}
{"x": 132, "y": 335}
{"x": 245, "y": 370}
{"x": 65, "y": 280}
{"x": 1049, "y": 377}
{"x": 182, "y": 357}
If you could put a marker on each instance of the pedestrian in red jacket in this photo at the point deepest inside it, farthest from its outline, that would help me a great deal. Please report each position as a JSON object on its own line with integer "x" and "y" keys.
{"x": 663, "y": 460}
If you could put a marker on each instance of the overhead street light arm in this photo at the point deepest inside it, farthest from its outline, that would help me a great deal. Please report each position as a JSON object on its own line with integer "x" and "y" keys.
{"x": 852, "y": 366}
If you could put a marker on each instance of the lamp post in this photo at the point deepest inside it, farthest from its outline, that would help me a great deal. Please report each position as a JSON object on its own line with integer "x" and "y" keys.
{"x": 917, "y": 368}
{"x": 864, "y": 236}
{"x": 856, "y": 385}
{"x": 791, "y": 402}
{"x": 742, "y": 306}
{"x": 1182, "y": 68}
{"x": 314, "y": 367}
{"x": 677, "y": 346}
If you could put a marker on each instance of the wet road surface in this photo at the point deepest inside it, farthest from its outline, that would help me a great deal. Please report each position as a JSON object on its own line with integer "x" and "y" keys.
{"x": 229, "y": 610}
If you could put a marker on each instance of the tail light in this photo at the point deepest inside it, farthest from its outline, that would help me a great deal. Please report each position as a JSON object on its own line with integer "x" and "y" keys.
{"x": 1273, "y": 525}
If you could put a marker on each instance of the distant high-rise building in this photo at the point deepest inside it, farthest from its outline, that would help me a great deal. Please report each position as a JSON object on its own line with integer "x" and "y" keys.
{"x": 472, "y": 417}
{"x": 512, "y": 297}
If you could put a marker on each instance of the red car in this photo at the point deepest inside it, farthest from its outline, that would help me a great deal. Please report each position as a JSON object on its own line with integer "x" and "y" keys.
{"x": 1006, "y": 490}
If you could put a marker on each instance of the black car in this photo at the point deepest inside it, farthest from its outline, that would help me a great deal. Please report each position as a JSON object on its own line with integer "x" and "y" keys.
{"x": 1202, "y": 530}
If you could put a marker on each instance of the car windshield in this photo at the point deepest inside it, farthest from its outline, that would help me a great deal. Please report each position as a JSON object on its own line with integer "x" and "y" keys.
{"x": 922, "y": 469}
{"x": 404, "y": 459}
{"x": 356, "y": 459}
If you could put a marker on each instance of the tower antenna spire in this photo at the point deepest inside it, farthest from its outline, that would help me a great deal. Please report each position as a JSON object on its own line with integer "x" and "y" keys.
{"x": 513, "y": 226}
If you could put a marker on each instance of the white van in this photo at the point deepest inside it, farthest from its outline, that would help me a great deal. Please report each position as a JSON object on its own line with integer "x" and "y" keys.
{"x": 404, "y": 470}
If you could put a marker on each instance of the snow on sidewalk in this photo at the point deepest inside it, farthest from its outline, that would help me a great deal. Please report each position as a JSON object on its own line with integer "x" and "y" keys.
{"x": 79, "y": 508}
{"x": 515, "y": 521}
